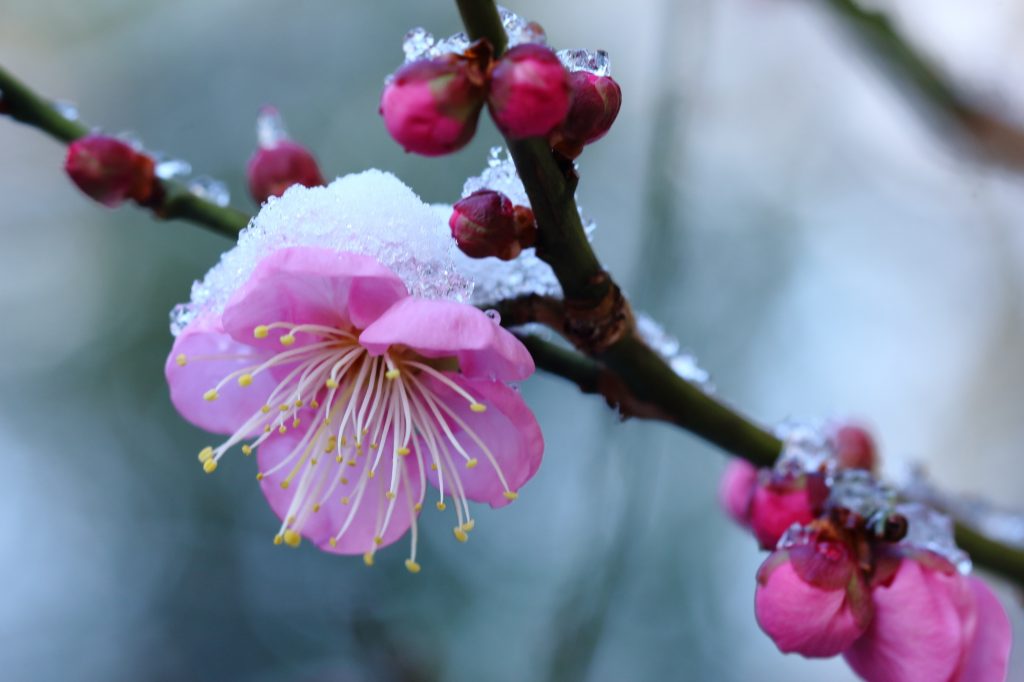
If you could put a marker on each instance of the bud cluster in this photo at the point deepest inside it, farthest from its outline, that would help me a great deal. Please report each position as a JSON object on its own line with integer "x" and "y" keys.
{"x": 487, "y": 224}
{"x": 856, "y": 573}
{"x": 432, "y": 104}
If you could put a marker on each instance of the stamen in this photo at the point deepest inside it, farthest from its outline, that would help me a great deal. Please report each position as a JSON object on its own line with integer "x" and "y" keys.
{"x": 181, "y": 359}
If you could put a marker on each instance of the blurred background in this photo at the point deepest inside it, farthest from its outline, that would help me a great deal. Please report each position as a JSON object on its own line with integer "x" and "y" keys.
{"x": 768, "y": 193}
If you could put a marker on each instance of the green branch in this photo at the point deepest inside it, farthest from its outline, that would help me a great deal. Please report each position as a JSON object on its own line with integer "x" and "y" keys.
{"x": 19, "y": 102}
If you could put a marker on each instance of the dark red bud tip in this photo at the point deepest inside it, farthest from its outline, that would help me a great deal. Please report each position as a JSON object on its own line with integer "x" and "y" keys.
{"x": 272, "y": 170}
{"x": 855, "y": 448}
{"x": 431, "y": 106}
{"x": 529, "y": 93}
{"x": 595, "y": 105}
{"x": 486, "y": 224}
{"x": 110, "y": 171}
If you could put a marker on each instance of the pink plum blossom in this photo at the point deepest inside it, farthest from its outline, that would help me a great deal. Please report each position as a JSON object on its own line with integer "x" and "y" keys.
{"x": 811, "y": 599}
{"x": 779, "y": 501}
{"x": 355, "y": 395}
{"x": 932, "y": 624}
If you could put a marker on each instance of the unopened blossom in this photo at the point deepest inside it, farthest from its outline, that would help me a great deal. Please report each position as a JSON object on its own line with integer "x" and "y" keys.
{"x": 431, "y": 106}
{"x": 529, "y": 91}
{"x": 780, "y": 500}
{"x": 811, "y": 599}
{"x": 279, "y": 162}
{"x": 595, "y": 102}
{"x": 353, "y": 393}
{"x": 932, "y": 623}
{"x": 110, "y": 170}
{"x": 487, "y": 224}
{"x": 736, "y": 490}
{"x": 855, "y": 448}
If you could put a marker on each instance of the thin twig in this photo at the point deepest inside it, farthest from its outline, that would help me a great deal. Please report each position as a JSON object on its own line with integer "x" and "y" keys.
{"x": 22, "y": 104}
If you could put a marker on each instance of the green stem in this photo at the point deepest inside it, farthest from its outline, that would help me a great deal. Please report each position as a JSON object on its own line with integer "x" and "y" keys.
{"x": 483, "y": 21}
{"x": 22, "y": 104}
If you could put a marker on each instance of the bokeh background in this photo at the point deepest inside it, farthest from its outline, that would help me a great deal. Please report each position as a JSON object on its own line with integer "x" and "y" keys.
{"x": 767, "y": 192}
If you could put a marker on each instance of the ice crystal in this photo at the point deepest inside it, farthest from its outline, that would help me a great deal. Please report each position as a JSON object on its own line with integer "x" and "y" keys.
{"x": 683, "y": 363}
{"x": 420, "y": 44}
{"x": 596, "y": 62}
{"x": 932, "y": 530}
{"x": 371, "y": 213}
{"x": 807, "y": 448}
{"x": 210, "y": 189}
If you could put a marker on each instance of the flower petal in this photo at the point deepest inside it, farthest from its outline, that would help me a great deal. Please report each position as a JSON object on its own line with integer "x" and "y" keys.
{"x": 507, "y": 428}
{"x": 209, "y": 355}
{"x": 736, "y": 490}
{"x": 439, "y": 329}
{"x": 917, "y": 633}
{"x": 309, "y": 285}
{"x": 361, "y": 498}
{"x": 987, "y": 654}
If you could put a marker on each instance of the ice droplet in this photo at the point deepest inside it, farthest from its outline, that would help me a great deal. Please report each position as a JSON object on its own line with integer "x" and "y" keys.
{"x": 181, "y": 315}
{"x": 932, "y": 530}
{"x": 270, "y": 128}
{"x": 861, "y": 493}
{"x": 683, "y": 363}
{"x": 520, "y": 30}
{"x": 66, "y": 108}
{"x": 416, "y": 43}
{"x": 168, "y": 168}
{"x": 211, "y": 189}
{"x": 795, "y": 536}
{"x": 131, "y": 138}
{"x": 807, "y": 448}
{"x": 494, "y": 315}
{"x": 596, "y": 62}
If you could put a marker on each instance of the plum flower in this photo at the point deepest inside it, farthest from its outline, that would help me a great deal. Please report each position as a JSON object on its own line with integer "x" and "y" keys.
{"x": 354, "y": 393}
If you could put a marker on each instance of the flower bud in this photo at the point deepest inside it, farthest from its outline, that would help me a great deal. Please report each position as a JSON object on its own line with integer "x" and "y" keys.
{"x": 110, "y": 171}
{"x": 812, "y": 600}
{"x": 279, "y": 163}
{"x": 431, "y": 106}
{"x": 855, "y": 448}
{"x": 736, "y": 490}
{"x": 487, "y": 224}
{"x": 595, "y": 104}
{"x": 931, "y": 623}
{"x": 781, "y": 501}
{"x": 529, "y": 92}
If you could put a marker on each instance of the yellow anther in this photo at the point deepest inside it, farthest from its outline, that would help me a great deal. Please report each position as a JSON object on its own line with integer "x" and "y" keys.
{"x": 344, "y": 440}
{"x": 295, "y": 423}
{"x": 331, "y": 384}
{"x": 402, "y": 451}
{"x": 344, "y": 500}
{"x": 259, "y": 476}
{"x": 352, "y": 463}
{"x": 417, "y": 507}
{"x": 246, "y": 449}
{"x": 339, "y": 459}
{"x": 298, "y": 403}
{"x": 390, "y": 495}
{"x": 378, "y": 540}
{"x": 287, "y": 340}
{"x": 460, "y": 534}
{"x": 245, "y": 380}
{"x": 211, "y": 394}
{"x": 471, "y": 463}
{"x": 478, "y": 407}
{"x": 314, "y": 403}
{"x": 313, "y": 462}
{"x": 278, "y": 539}
{"x": 316, "y": 508}
{"x": 374, "y": 446}
{"x": 291, "y": 538}
{"x": 205, "y": 454}
{"x": 266, "y": 429}
{"x": 285, "y": 407}
{"x": 344, "y": 481}
{"x": 412, "y": 566}
{"x": 182, "y": 360}
{"x": 333, "y": 542}
{"x": 371, "y": 474}
{"x": 392, "y": 374}
{"x": 368, "y": 558}
{"x": 510, "y": 495}
{"x": 282, "y": 429}
{"x": 433, "y": 466}
{"x": 210, "y": 465}
{"x": 441, "y": 506}
{"x": 469, "y": 525}
{"x": 285, "y": 484}
{"x": 265, "y": 409}
{"x": 261, "y": 331}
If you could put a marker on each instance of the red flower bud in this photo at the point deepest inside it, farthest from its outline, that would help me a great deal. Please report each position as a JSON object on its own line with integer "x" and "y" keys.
{"x": 110, "y": 171}
{"x": 279, "y": 163}
{"x": 529, "y": 93}
{"x": 855, "y": 448}
{"x": 486, "y": 224}
{"x": 595, "y": 104}
{"x": 431, "y": 106}
{"x": 781, "y": 501}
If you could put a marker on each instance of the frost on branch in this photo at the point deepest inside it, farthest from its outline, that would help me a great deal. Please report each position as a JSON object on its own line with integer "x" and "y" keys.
{"x": 371, "y": 213}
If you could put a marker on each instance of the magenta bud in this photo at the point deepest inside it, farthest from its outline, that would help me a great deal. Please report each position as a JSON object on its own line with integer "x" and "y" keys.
{"x": 736, "y": 490}
{"x": 780, "y": 501}
{"x": 595, "y": 105}
{"x": 110, "y": 171}
{"x": 855, "y": 448}
{"x": 487, "y": 224}
{"x": 431, "y": 106}
{"x": 279, "y": 162}
{"x": 529, "y": 93}
{"x": 812, "y": 600}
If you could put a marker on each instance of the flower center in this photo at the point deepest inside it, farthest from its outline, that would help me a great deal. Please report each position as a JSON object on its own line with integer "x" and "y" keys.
{"x": 360, "y": 412}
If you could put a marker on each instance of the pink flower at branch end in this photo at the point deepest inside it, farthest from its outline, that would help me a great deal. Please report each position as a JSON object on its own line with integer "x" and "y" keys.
{"x": 356, "y": 395}
{"x": 279, "y": 162}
